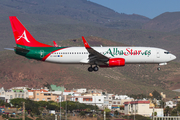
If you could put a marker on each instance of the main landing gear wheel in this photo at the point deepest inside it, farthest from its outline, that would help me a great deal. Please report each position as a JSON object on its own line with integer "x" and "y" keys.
{"x": 90, "y": 69}
{"x": 158, "y": 68}
{"x": 95, "y": 68}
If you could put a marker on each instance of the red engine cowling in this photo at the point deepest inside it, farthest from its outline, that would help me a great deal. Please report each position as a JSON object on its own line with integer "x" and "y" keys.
{"x": 115, "y": 62}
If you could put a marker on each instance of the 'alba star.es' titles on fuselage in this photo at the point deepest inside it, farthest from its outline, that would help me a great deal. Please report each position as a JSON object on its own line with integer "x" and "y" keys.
{"x": 96, "y": 57}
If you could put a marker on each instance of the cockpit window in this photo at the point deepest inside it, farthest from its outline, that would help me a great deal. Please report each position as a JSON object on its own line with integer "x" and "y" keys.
{"x": 166, "y": 52}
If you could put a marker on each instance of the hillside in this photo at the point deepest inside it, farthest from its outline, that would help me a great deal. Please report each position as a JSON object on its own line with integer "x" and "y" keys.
{"x": 166, "y": 22}
{"x": 18, "y": 71}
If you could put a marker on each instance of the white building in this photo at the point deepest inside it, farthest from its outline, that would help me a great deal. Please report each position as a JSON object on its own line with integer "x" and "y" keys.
{"x": 2, "y": 94}
{"x": 170, "y": 104}
{"x": 115, "y": 101}
{"x": 141, "y": 108}
{"x": 81, "y": 90}
{"x": 14, "y": 93}
{"x": 90, "y": 100}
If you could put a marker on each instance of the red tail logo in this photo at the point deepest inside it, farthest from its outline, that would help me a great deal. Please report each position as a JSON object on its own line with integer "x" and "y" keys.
{"x": 22, "y": 36}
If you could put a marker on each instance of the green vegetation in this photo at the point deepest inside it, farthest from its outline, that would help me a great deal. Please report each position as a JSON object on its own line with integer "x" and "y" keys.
{"x": 36, "y": 108}
{"x": 137, "y": 117}
{"x": 156, "y": 95}
{"x": 172, "y": 111}
{"x": 82, "y": 114}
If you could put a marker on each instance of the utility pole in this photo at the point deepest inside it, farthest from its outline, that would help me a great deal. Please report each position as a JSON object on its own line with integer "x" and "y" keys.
{"x": 23, "y": 111}
{"x": 104, "y": 114}
{"x": 60, "y": 107}
{"x": 134, "y": 111}
{"x": 153, "y": 113}
{"x": 66, "y": 109}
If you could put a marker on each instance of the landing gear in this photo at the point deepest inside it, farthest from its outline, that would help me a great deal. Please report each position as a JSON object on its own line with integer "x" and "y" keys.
{"x": 95, "y": 68}
{"x": 158, "y": 68}
{"x": 90, "y": 69}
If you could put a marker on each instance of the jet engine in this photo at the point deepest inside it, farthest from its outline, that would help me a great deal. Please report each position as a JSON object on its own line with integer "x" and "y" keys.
{"x": 114, "y": 62}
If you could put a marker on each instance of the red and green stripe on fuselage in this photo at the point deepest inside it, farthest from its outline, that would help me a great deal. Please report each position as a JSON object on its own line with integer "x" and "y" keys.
{"x": 38, "y": 53}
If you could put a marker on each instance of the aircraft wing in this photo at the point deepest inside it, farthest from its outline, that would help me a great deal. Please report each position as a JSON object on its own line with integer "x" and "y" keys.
{"x": 95, "y": 57}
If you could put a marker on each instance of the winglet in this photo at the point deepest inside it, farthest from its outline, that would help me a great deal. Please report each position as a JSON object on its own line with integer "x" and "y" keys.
{"x": 55, "y": 44}
{"x": 85, "y": 43}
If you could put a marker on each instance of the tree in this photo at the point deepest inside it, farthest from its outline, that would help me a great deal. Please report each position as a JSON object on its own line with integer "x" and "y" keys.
{"x": 167, "y": 111}
{"x": 155, "y": 113}
{"x": 47, "y": 85}
{"x": 32, "y": 106}
{"x": 178, "y": 106}
{"x": 43, "y": 103}
{"x": 174, "y": 112}
{"x": 71, "y": 106}
{"x": 156, "y": 95}
{"x": 52, "y": 107}
{"x": 7, "y": 105}
{"x": 116, "y": 113}
{"x": 17, "y": 102}
{"x": 82, "y": 114}
{"x": 2, "y": 103}
{"x": 107, "y": 112}
{"x": 162, "y": 104}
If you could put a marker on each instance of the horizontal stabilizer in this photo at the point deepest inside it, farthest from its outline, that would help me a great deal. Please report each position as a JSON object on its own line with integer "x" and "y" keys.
{"x": 9, "y": 49}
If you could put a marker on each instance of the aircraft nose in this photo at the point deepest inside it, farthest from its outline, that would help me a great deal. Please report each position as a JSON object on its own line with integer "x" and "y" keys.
{"x": 173, "y": 57}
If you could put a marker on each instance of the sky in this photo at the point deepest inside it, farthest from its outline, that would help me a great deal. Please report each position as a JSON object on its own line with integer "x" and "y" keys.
{"x": 148, "y": 8}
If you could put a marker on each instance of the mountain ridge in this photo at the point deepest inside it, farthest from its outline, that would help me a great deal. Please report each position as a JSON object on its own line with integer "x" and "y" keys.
{"x": 166, "y": 22}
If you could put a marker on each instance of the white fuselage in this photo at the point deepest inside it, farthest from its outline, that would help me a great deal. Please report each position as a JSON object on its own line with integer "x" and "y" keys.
{"x": 132, "y": 55}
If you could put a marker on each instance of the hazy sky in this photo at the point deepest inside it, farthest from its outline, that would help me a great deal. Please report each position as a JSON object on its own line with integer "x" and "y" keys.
{"x": 148, "y": 8}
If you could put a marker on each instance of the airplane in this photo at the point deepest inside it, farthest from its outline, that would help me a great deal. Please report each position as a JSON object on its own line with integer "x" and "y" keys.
{"x": 96, "y": 57}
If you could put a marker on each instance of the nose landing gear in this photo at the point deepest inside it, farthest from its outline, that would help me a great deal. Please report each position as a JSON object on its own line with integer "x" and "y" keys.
{"x": 90, "y": 69}
{"x": 158, "y": 68}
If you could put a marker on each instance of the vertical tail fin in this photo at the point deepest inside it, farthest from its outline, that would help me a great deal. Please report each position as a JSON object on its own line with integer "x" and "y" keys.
{"x": 22, "y": 37}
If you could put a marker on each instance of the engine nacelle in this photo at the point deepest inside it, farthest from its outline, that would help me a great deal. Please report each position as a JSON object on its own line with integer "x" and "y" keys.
{"x": 115, "y": 62}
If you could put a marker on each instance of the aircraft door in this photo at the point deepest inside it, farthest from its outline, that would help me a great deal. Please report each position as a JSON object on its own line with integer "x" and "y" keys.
{"x": 157, "y": 53}
{"x": 41, "y": 53}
